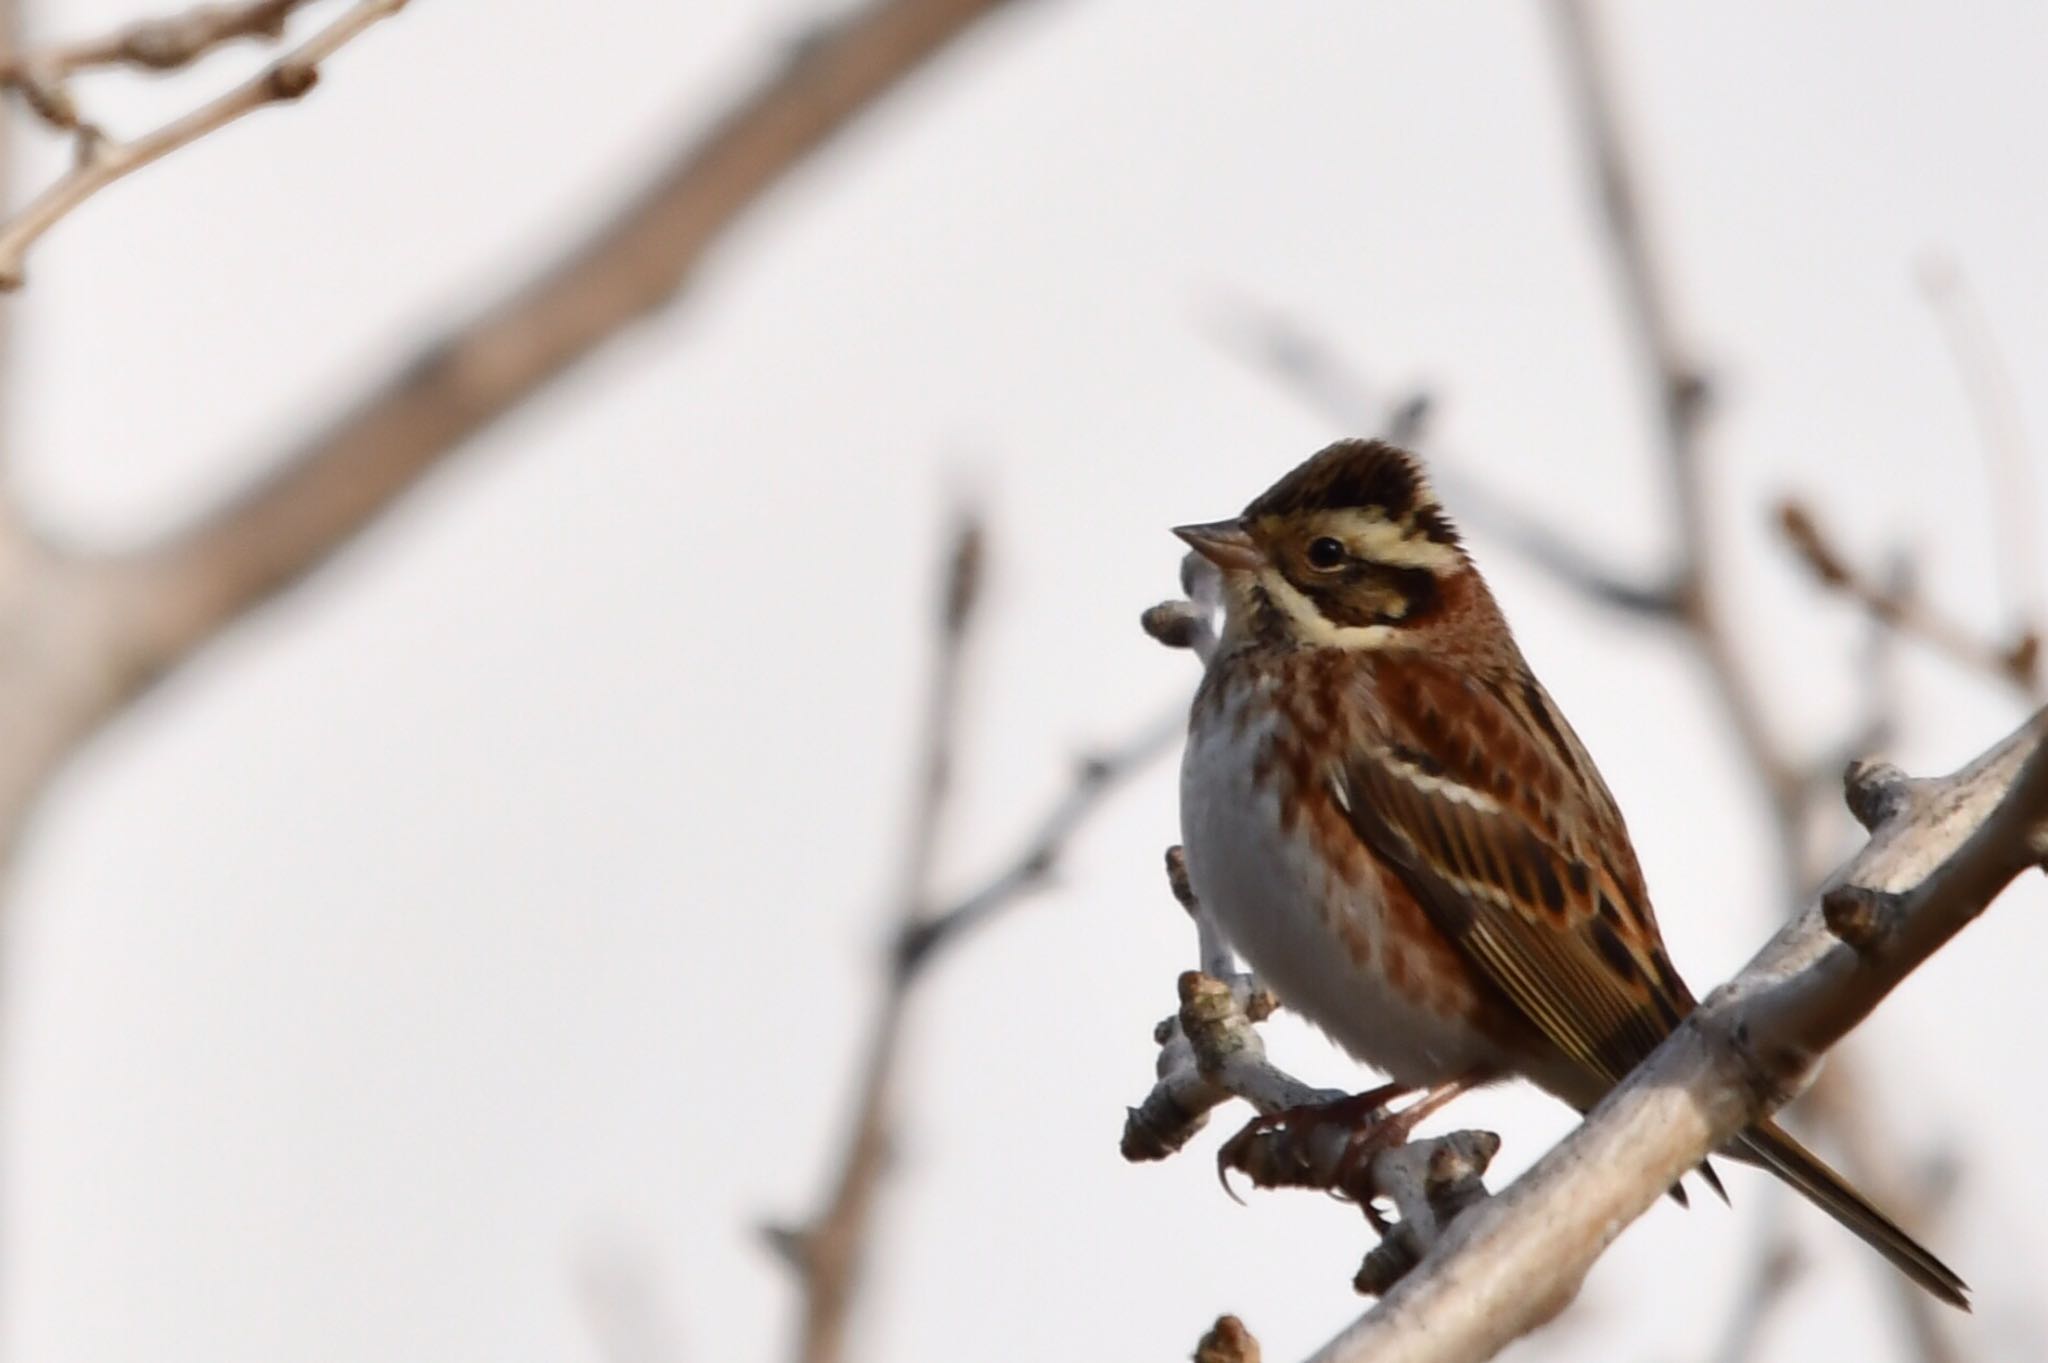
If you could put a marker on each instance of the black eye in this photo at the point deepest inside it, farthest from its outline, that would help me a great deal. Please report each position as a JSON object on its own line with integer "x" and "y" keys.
{"x": 1325, "y": 552}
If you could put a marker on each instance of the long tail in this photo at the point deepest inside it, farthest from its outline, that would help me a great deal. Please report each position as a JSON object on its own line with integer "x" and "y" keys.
{"x": 1770, "y": 1146}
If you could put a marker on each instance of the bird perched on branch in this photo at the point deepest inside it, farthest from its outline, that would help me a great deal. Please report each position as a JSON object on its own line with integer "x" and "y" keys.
{"x": 1388, "y": 817}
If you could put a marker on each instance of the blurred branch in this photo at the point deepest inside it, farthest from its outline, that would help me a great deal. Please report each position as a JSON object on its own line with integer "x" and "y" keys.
{"x": 1987, "y": 382}
{"x": 92, "y": 633}
{"x": 160, "y": 44}
{"x": 1307, "y": 365}
{"x": 1940, "y": 851}
{"x": 1772, "y": 1272}
{"x": 829, "y": 1250}
{"x": 12, "y": 531}
{"x": 99, "y": 161}
{"x": 1782, "y": 780}
{"x": 622, "y": 1305}
{"x": 1682, "y": 398}
{"x": 1094, "y": 778}
{"x": 2016, "y": 663}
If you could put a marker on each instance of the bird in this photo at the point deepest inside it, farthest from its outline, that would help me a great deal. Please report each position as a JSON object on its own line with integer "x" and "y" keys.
{"x": 1394, "y": 826}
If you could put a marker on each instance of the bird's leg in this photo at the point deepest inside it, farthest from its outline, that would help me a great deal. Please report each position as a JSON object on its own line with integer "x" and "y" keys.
{"x": 1394, "y": 1129}
{"x": 1358, "y": 1113}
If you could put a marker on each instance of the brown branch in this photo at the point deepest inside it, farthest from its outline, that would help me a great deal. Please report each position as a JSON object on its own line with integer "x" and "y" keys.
{"x": 1782, "y": 780}
{"x": 1682, "y": 396}
{"x": 1987, "y": 382}
{"x": 1774, "y": 1267}
{"x": 1939, "y": 852}
{"x": 1307, "y": 365}
{"x": 101, "y": 161}
{"x": 2018, "y": 663}
{"x": 828, "y": 1252}
{"x": 161, "y": 44}
{"x": 94, "y": 633}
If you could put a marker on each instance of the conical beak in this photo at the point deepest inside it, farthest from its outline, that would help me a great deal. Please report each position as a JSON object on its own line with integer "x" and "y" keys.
{"x": 1227, "y": 544}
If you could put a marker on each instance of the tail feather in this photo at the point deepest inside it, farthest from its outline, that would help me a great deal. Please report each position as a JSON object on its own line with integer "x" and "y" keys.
{"x": 1769, "y": 1145}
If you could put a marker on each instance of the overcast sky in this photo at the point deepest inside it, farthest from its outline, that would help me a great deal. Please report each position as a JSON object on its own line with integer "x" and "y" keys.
{"x": 507, "y": 902}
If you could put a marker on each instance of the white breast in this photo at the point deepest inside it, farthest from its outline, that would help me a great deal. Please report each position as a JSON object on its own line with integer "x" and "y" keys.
{"x": 1269, "y": 894}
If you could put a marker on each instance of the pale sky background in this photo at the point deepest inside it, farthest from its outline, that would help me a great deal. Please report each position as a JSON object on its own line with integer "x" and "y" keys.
{"x": 508, "y": 900}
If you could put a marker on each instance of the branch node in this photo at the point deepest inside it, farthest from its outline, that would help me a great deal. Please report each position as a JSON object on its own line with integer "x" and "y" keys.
{"x": 791, "y": 1245}
{"x": 1688, "y": 392}
{"x": 1177, "y": 878}
{"x": 2023, "y": 660}
{"x": 1860, "y": 916}
{"x": 1177, "y": 624}
{"x": 289, "y": 80}
{"x": 1227, "y": 1342}
{"x": 1876, "y": 791}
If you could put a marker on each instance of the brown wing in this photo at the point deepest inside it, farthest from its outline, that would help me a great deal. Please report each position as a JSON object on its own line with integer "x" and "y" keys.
{"x": 1487, "y": 805}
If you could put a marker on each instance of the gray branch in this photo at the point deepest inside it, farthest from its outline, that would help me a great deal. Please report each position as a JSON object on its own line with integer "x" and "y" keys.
{"x": 1940, "y": 851}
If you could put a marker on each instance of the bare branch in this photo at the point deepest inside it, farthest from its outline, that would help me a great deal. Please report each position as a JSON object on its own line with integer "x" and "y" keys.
{"x": 1782, "y": 779}
{"x": 1940, "y": 851}
{"x": 98, "y": 632}
{"x": 829, "y": 1250}
{"x": 1773, "y": 1271}
{"x": 1032, "y": 868}
{"x": 2016, "y": 663}
{"x": 1307, "y": 365}
{"x": 1987, "y": 381}
{"x": 1682, "y": 397}
{"x": 161, "y": 44}
{"x": 101, "y": 161}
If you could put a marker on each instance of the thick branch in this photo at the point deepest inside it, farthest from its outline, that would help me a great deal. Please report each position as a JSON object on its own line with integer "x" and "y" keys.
{"x": 1941, "y": 850}
{"x": 97, "y": 632}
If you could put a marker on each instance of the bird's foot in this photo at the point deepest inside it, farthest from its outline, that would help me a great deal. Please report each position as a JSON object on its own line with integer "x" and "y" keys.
{"x": 1273, "y": 1163}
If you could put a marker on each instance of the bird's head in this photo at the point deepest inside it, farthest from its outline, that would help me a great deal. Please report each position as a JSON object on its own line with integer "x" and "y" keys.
{"x": 1350, "y": 550}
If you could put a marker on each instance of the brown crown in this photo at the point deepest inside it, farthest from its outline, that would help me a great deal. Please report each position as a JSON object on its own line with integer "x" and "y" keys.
{"x": 1356, "y": 474}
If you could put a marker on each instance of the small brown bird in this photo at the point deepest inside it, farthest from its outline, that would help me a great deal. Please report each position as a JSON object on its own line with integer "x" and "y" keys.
{"x": 1394, "y": 826}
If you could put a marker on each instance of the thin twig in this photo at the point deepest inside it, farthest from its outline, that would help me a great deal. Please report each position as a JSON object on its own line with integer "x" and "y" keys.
{"x": 15, "y": 537}
{"x": 1682, "y": 398}
{"x": 101, "y": 161}
{"x": 161, "y": 44}
{"x": 1309, "y": 366}
{"x": 623, "y": 1306}
{"x": 2017, "y": 663}
{"x": 1987, "y": 382}
{"x": 1034, "y": 864}
{"x": 1773, "y": 1269}
{"x": 829, "y": 1250}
